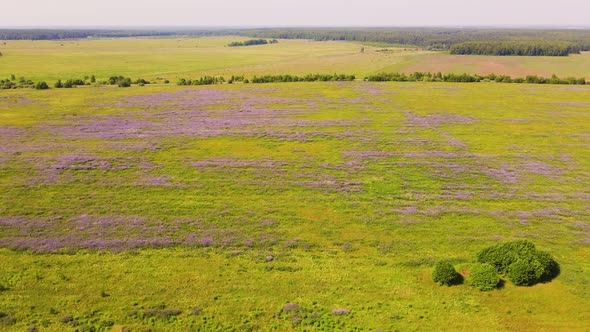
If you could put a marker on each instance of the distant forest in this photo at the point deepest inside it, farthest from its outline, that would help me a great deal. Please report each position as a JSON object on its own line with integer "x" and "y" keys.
{"x": 529, "y": 48}
{"x": 431, "y": 38}
{"x": 455, "y": 40}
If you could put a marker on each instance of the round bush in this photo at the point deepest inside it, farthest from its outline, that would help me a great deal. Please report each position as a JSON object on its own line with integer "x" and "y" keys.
{"x": 525, "y": 272}
{"x": 444, "y": 273}
{"x": 484, "y": 277}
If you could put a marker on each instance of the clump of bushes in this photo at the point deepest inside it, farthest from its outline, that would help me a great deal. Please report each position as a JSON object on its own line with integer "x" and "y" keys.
{"x": 120, "y": 81}
{"x": 205, "y": 80}
{"x": 69, "y": 83}
{"x": 445, "y": 274}
{"x": 13, "y": 83}
{"x": 251, "y": 42}
{"x": 520, "y": 262}
{"x": 41, "y": 86}
{"x": 484, "y": 277}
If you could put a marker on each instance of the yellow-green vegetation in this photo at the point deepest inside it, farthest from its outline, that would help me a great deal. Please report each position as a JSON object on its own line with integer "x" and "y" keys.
{"x": 283, "y": 206}
{"x": 158, "y": 59}
{"x": 173, "y": 58}
{"x": 573, "y": 65}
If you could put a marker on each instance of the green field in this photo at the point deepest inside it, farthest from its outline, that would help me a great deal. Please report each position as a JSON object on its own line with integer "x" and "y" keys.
{"x": 173, "y": 58}
{"x": 265, "y": 207}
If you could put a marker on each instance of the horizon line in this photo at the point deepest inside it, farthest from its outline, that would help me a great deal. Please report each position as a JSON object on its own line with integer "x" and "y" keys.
{"x": 217, "y": 27}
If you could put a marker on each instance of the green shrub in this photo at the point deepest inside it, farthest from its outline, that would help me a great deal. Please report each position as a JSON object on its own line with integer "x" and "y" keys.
{"x": 550, "y": 266}
{"x": 502, "y": 255}
{"x": 520, "y": 261}
{"x": 525, "y": 272}
{"x": 484, "y": 277}
{"x": 124, "y": 83}
{"x": 42, "y": 86}
{"x": 445, "y": 274}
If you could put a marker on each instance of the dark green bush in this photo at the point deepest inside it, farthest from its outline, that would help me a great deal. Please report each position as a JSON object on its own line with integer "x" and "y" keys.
{"x": 124, "y": 83}
{"x": 445, "y": 274}
{"x": 484, "y": 277}
{"x": 42, "y": 86}
{"x": 550, "y": 266}
{"x": 502, "y": 255}
{"x": 525, "y": 272}
{"x": 520, "y": 261}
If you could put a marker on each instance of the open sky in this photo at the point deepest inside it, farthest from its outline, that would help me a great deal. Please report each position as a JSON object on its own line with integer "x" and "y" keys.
{"x": 294, "y": 12}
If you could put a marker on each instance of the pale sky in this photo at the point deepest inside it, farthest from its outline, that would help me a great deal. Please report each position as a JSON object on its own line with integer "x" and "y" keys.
{"x": 293, "y": 12}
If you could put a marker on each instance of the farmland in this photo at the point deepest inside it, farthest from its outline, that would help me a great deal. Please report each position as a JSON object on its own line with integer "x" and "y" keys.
{"x": 285, "y": 206}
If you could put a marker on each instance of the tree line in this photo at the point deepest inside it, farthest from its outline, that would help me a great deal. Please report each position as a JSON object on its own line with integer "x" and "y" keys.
{"x": 209, "y": 80}
{"x": 251, "y": 42}
{"x": 430, "y": 38}
{"x": 468, "y": 78}
{"x": 120, "y": 81}
{"x": 55, "y": 34}
{"x": 124, "y": 82}
{"x": 516, "y": 48}
{"x": 21, "y": 83}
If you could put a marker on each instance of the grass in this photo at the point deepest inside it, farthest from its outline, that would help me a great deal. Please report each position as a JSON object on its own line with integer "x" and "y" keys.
{"x": 571, "y": 66}
{"x": 212, "y": 208}
{"x": 174, "y": 58}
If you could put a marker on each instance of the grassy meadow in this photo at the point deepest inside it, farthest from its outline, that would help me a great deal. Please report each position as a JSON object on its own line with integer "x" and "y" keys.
{"x": 170, "y": 58}
{"x": 284, "y": 206}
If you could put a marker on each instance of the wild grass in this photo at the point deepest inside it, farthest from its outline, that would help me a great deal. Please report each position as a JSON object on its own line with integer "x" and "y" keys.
{"x": 135, "y": 208}
{"x": 158, "y": 59}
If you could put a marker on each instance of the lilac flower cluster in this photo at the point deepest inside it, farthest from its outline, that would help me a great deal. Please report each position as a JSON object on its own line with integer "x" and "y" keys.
{"x": 54, "y": 234}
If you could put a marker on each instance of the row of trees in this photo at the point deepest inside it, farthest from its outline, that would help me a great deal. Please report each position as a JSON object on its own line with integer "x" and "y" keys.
{"x": 306, "y": 78}
{"x": 120, "y": 81}
{"x": 208, "y": 80}
{"x": 205, "y": 80}
{"x": 14, "y": 83}
{"x": 516, "y": 48}
{"x": 251, "y": 42}
{"x": 468, "y": 78}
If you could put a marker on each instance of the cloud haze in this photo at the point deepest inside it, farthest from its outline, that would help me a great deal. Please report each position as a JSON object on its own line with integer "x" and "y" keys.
{"x": 294, "y": 12}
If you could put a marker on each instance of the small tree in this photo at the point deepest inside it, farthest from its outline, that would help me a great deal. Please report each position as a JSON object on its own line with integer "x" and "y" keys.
{"x": 42, "y": 86}
{"x": 59, "y": 84}
{"x": 484, "y": 277}
{"x": 124, "y": 83}
{"x": 445, "y": 274}
{"x": 92, "y": 79}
